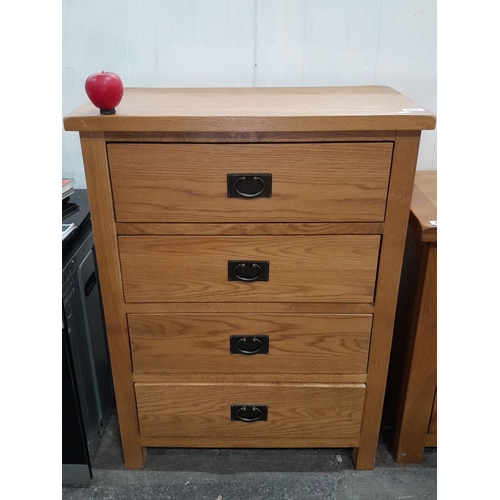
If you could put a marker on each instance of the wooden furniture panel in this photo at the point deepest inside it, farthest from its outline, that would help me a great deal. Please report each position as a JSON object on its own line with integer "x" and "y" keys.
{"x": 412, "y": 381}
{"x": 277, "y": 110}
{"x": 301, "y": 269}
{"x": 188, "y": 343}
{"x": 342, "y": 162}
{"x": 250, "y": 229}
{"x": 431, "y": 440}
{"x": 188, "y": 182}
{"x": 106, "y": 245}
{"x": 321, "y": 412}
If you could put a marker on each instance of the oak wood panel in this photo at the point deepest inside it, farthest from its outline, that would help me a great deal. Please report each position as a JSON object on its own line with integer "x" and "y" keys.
{"x": 426, "y": 180}
{"x": 248, "y": 229}
{"x": 433, "y": 423}
{"x": 264, "y": 109}
{"x": 424, "y": 205}
{"x": 400, "y": 342}
{"x": 229, "y": 137}
{"x": 431, "y": 438}
{"x": 301, "y": 269}
{"x": 302, "y": 411}
{"x": 420, "y": 375}
{"x": 340, "y": 182}
{"x": 391, "y": 256}
{"x": 101, "y": 207}
{"x": 249, "y": 441}
{"x": 254, "y": 377}
{"x": 431, "y": 441}
{"x": 257, "y": 307}
{"x": 178, "y": 343}
{"x": 413, "y": 362}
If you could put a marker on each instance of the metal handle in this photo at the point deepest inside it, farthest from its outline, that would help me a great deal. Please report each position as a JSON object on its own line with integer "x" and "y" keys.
{"x": 249, "y": 185}
{"x": 249, "y": 195}
{"x": 246, "y": 351}
{"x": 243, "y": 278}
{"x": 246, "y": 419}
{"x": 247, "y": 270}
{"x": 249, "y": 413}
{"x": 244, "y": 344}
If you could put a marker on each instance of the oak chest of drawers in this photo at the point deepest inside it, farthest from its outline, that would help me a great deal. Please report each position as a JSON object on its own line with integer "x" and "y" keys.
{"x": 249, "y": 244}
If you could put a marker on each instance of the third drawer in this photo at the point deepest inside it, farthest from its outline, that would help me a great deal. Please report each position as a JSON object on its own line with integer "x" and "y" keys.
{"x": 249, "y": 343}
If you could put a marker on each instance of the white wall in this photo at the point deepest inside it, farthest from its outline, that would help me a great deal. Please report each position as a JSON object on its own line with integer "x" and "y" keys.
{"x": 250, "y": 43}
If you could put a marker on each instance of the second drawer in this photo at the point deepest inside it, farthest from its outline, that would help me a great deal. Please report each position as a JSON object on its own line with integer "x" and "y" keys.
{"x": 249, "y": 343}
{"x": 339, "y": 268}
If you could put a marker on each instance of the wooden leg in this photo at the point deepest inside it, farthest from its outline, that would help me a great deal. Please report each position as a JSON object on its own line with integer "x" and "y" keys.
{"x": 134, "y": 458}
{"x": 391, "y": 257}
{"x": 106, "y": 245}
{"x": 419, "y": 385}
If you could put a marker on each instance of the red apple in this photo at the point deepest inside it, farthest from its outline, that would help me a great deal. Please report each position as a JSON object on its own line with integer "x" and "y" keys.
{"x": 105, "y": 91}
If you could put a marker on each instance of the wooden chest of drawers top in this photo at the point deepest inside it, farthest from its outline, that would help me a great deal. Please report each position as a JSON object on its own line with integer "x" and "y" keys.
{"x": 301, "y": 109}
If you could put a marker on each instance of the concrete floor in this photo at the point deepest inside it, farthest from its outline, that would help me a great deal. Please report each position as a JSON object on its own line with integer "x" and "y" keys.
{"x": 207, "y": 474}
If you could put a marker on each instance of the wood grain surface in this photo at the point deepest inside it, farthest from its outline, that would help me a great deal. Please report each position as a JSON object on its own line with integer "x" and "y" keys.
{"x": 199, "y": 343}
{"x": 244, "y": 137}
{"x": 389, "y": 271}
{"x": 418, "y": 386}
{"x": 340, "y": 182}
{"x": 433, "y": 423}
{"x": 318, "y": 411}
{"x": 301, "y": 268}
{"x": 263, "y": 109}
{"x": 248, "y": 229}
{"x": 246, "y": 378}
{"x": 101, "y": 207}
{"x": 424, "y": 205}
{"x": 256, "y": 307}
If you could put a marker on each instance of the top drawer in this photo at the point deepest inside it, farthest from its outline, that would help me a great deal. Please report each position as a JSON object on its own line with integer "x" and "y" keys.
{"x": 311, "y": 182}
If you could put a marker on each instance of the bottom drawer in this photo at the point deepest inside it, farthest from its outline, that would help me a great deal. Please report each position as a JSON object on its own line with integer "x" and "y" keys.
{"x": 305, "y": 415}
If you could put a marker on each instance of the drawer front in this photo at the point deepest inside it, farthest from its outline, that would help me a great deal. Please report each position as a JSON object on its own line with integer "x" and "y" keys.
{"x": 342, "y": 182}
{"x": 249, "y": 343}
{"x": 293, "y": 411}
{"x": 339, "y": 268}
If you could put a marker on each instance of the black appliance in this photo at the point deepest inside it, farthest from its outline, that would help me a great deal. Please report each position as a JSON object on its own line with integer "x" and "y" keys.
{"x": 87, "y": 387}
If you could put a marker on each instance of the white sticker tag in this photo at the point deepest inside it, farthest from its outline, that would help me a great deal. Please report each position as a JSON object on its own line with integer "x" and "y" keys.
{"x": 433, "y": 222}
{"x": 409, "y": 110}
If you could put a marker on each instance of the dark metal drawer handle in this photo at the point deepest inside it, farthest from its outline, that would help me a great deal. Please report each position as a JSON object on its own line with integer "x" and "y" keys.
{"x": 249, "y": 195}
{"x": 239, "y": 345}
{"x": 247, "y": 271}
{"x": 249, "y": 413}
{"x": 249, "y": 185}
{"x": 242, "y": 265}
